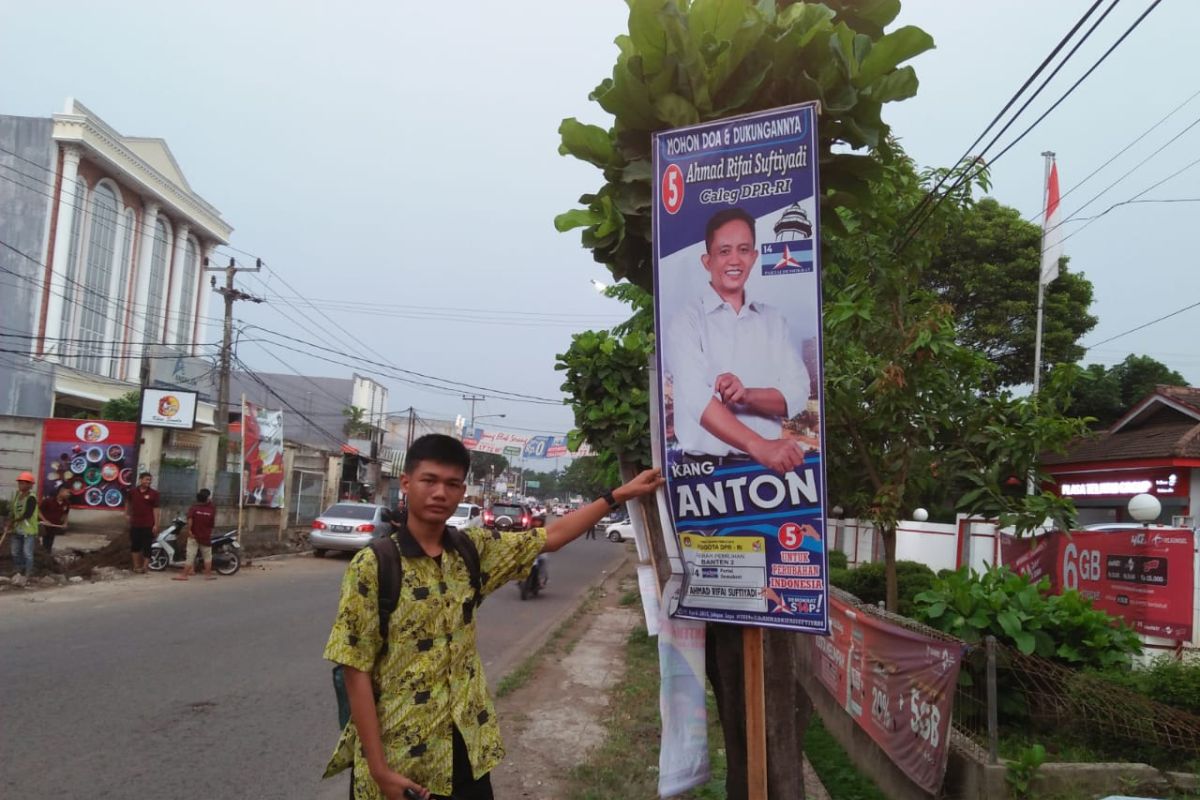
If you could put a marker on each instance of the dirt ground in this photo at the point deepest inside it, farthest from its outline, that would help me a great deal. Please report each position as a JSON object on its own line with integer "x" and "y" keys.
{"x": 557, "y": 718}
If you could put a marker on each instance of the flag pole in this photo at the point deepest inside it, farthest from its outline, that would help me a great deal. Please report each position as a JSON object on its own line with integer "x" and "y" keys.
{"x": 1048, "y": 156}
{"x": 1041, "y": 296}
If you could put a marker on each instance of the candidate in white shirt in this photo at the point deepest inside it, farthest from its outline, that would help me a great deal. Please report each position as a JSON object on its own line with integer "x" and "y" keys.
{"x": 736, "y": 376}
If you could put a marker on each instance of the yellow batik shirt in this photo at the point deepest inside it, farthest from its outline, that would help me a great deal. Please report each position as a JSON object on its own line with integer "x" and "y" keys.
{"x": 431, "y": 679}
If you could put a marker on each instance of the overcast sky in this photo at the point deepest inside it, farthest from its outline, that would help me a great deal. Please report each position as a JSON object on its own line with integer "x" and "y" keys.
{"x": 402, "y": 157}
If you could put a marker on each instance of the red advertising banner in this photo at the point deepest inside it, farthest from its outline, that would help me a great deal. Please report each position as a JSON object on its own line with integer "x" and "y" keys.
{"x": 1146, "y": 576}
{"x": 94, "y": 458}
{"x": 896, "y": 683}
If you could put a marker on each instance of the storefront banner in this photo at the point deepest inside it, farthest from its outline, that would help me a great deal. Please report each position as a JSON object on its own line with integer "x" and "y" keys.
{"x": 1146, "y": 576}
{"x": 94, "y": 458}
{"x": 494, "y": 442}
{"x": 896, "y": 683}
{"x": 738, "y": 320}
{"x": 262, "y": 457}
{"x": 168, "y": 408}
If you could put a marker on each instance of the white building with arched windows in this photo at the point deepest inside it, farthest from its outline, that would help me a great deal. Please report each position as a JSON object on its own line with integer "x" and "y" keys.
{"x": 101, "y": 246}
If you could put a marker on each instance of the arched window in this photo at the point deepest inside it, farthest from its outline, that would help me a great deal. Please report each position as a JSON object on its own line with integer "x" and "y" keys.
{"x": 187, "y": 292}
{"x": 156, "y": 304}
{"x": 121, "y": 302}
{"x": 70, "y": 290}
{"x": 98, "y": 264}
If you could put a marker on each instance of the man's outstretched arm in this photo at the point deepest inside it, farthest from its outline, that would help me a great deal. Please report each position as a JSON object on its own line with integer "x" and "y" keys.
{"x": 566, "y": 529}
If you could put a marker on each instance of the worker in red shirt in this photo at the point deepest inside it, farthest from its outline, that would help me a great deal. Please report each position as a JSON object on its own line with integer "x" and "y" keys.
{"x": 141, "y": 509}
{"x": 53, "y": 512}
{"x": 201, "y": 517}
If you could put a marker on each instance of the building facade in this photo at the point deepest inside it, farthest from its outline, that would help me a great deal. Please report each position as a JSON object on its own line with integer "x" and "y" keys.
{"x": 1154, "y": 449}
{"x": 104, "y": 246}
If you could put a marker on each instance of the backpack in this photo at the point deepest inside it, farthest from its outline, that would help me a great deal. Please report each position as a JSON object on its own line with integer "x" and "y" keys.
{"x": 391, "y": 569}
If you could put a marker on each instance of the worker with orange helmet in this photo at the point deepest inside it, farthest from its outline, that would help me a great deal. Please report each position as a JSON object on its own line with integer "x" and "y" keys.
{"x": 22, "y": 525}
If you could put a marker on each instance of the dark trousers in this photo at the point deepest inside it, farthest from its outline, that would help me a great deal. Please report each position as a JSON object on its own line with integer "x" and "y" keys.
{"x": 466, "y": 787}
{"x": 48, "y": 535}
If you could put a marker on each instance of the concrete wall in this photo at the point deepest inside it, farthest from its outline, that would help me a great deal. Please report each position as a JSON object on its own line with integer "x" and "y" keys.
{"x": 25, "y": 204}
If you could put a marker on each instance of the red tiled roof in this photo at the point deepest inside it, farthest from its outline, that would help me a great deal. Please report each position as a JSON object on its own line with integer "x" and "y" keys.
{"x": 1157, "y": 431}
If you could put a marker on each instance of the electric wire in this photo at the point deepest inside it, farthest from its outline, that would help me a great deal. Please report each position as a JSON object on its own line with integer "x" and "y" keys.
{"x": 972, "y": 172}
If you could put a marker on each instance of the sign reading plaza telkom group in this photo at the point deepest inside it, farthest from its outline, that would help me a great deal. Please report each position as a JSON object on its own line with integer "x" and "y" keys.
{"x": 738, "y": 318}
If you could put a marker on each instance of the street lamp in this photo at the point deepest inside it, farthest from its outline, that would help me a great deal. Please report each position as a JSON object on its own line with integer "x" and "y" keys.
{"x": 599, "y": 286}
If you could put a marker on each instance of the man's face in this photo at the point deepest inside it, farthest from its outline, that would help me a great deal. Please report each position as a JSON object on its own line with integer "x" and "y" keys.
{"x": 24, "y": 486}
{"x": 731, "y": 257}
{"x": 64, "y": 494}
{"x": 144, "y": 481}
{"x": 434, "y": 491}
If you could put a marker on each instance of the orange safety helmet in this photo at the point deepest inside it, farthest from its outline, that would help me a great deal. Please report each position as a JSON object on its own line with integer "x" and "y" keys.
{"x": 25, "y": 476}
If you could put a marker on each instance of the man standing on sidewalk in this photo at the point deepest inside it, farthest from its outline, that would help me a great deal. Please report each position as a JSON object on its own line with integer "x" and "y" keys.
{"x": 201, "y": 517}
{"x": 141, "y": 509}
{"x": 22, "y": 525}
{"x": 421, "y": 720}
{"x": 54, "y": 510}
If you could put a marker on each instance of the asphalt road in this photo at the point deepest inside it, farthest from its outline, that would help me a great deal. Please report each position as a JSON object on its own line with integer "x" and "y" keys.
{"x": 149, "y": 687}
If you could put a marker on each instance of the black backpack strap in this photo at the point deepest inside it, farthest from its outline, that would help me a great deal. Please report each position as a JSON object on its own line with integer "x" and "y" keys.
{"x": 387, "y": 557}
{"x": 464, "y": 545}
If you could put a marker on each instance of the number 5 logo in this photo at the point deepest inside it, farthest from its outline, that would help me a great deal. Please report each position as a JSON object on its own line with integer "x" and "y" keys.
{"x": 672, "y": 189}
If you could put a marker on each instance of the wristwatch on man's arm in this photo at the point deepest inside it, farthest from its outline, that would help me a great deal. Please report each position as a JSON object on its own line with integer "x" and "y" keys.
{"x": 609, "y": 498}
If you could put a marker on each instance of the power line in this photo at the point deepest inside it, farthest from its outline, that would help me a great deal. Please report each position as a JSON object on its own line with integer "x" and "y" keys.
{"x": 1143, "y": 325}
{"x": 255, "y": 377}
{"x": 930, "y": 195}
{"x": 969, "y": 175}
{"x": 1120, "y": 153}
{"x": 449, "y": 384}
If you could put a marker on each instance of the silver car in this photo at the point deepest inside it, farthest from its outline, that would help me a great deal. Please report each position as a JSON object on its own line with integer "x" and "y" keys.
{"x": 348, "y": 526}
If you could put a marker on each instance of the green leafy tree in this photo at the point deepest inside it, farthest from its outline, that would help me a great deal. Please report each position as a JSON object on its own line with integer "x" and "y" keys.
{"x": 907, "y": 415}
{"x": 987, "y": 268}
{"x": 1106, "y": 393}
{"x": 687, "y": 62}
{"x": 125, "y": 408}
{"x": 357, "y": 425}
{"x": 588, "y": 477}
{"x": 484, "y": 464}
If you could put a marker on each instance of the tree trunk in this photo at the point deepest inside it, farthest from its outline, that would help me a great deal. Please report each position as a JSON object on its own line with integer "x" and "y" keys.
{"x": 888, "y": 534}
{"x": 788, "y": 708}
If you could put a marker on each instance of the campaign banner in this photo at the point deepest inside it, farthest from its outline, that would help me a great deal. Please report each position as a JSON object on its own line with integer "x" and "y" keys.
{"x": 495, "y": 441}
{"x": 896, "y": 683}
{"x": 1145, "y": 576}
{"x": 168, "y": 408}
{"x": 93, "y": 458}
{"x": 738, "y": 320}
{"x": 262, "y": 457}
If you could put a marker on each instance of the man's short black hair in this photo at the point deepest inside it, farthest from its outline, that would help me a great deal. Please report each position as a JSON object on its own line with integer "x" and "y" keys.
{"x": 144, "y": 475}
{"x": 720, "y": 218}
{"x": 440, "y": 448}
{"x": 203, "y": 495}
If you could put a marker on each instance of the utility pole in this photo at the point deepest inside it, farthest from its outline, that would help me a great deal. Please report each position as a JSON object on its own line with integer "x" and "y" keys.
{"x": 473, "y": 399}
{"x": 231, "y": 296}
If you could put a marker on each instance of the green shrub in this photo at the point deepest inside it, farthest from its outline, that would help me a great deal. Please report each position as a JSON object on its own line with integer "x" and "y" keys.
{"x": 868, "y": 582}
{"x": 838, "y": 560}
{"x": 1024, "y": 615}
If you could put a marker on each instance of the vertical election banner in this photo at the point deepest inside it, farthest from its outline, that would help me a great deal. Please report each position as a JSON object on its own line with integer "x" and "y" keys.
{"x": 262, "y": 457}
{"x": 738, "y": 318}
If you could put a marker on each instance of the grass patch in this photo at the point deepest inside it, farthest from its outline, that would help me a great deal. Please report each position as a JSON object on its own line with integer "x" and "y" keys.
{"x": 834, "y": 767}
{"x": 629, "y": 598}
{"x": 562, "y": 639}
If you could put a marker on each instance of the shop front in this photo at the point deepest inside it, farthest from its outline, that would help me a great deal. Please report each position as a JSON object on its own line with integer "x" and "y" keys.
{"x": 1154, "y": 449}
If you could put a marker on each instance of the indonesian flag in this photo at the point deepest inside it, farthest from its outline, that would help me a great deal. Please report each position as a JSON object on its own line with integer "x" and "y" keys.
{"x": 1052, "y": 248}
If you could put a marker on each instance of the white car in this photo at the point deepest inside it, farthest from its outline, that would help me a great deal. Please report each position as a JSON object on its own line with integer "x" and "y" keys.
{"x": 619, "y": 532}
{"x": 467, "y": 515}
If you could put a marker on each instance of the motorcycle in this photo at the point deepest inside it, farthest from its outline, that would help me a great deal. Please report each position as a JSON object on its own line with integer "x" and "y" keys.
{"x": 539, "y": 576}
{"x": 165, "y": 552}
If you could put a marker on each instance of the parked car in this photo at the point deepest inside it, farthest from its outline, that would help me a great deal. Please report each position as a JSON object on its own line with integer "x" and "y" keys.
{"x": 348, "y": 526}
{"x": 619, "y": 531}
{"x": 467, "y": 515}
{"x": 508, "y": 517}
